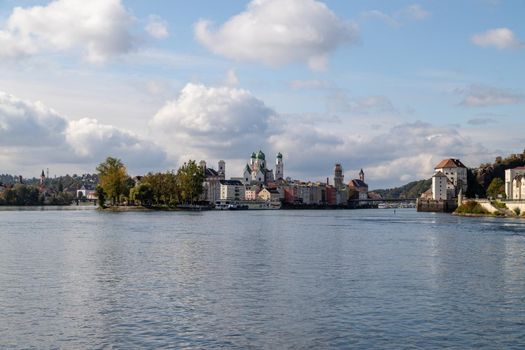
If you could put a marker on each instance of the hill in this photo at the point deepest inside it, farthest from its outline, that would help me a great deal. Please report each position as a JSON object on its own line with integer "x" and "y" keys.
{"x": 410, "y": 190}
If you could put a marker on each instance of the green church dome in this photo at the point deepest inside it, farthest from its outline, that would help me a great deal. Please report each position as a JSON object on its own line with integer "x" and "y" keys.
{"x": 253, "y": 154}
{"x": 261, "y": 155}
{"x": 279, "y": 155}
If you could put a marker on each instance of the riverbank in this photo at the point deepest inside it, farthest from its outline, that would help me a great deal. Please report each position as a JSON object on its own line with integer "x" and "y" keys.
{"x": 487, "y": 208}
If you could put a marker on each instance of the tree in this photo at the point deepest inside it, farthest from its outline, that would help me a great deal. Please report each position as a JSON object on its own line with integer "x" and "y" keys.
{"x": 163, "y": 186}
{"x": 101, "y": 195}
{"x": 113, "y": 178}
{"x": 496, "y": 187}
{"x": 144, "y": 193}
{"x": 189, "y": 180}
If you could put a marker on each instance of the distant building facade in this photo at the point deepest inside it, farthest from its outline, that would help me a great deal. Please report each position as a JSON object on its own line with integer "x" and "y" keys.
{"x": 360, "y": 186}
{"x": 456, "y": 172}
{"x": 211, "y": 184}
{"x": 257, "y": 172}
{"x": 515, "y": 183}
{"x": 231, "y": 190}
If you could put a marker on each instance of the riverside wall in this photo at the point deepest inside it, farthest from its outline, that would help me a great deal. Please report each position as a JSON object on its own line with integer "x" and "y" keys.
{"x": 431, "y": 205}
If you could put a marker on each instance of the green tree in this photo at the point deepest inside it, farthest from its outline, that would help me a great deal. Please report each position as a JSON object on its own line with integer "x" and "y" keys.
{"x": 164, "y": 187}
{"x": 113, "y": 178}
{"x": 496, "y": 187}
{"x": 144, "y": 194}
{"x": 190, "y": 178}
{"x": 101, "y": 195}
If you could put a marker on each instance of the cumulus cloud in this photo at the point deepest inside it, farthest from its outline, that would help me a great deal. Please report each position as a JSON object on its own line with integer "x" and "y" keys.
{"x": 99, "y": 29}
{"x": 278, "y": 32}
{"x": 500, "y": 38}
{"x": 157, "y": 27}
{"x": 30, "y": 131}
{"x": 482, "y": 96}
{"x": 224, "y": 121}
{"x": 25, "y": 124}
{"x": 400, "y": 154}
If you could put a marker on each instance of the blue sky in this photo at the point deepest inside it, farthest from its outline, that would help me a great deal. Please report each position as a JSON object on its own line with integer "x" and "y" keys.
{"x": 388, "y": 86}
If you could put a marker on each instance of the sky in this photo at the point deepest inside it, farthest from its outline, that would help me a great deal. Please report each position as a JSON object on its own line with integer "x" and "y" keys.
{"x": 391, "y": 87}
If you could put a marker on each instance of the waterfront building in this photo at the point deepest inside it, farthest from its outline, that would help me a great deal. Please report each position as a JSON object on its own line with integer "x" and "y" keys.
{"x": 330, "y": 195}
{"x": 456, "y": 172}
{"x": 515, "y": 183}
{"x": 211, "y": 184}
{"x": 231, "y": 190}
{"x": 251, "y": 192}
{"x": 338, "y": 176}
{"x": 268, "y": 194}
{"x": 257, "y": 172}
{"x": 359, "y": 186}
{"x": 440, "y": 184}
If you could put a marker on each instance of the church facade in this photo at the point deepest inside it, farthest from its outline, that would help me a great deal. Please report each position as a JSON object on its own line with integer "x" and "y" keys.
{"x": 256, "y": 172}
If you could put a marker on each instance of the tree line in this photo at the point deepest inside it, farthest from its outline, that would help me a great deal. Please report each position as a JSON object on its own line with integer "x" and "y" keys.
{"x": 167, "y": 189}
{"x": 25, "y": 195}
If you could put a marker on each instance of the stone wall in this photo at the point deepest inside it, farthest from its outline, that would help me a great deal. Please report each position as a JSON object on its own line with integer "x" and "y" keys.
{"x": 430, "y": 205}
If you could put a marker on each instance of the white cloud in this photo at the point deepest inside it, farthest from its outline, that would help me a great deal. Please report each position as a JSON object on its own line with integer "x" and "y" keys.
{"x": 157, "y": 27}
{"x": 219, "y": 121}
{"x": 400, "y": 154}
{"x": 309, "y": 84}
{"x": 231, "y": 78}
{"x": 417, "y": 12}
{"x": 413, "y": 12}
{"x": 341, "y": 102}
{"x": 24, "y": 124}
{"x": 35, "y": 134}
{"x": 99, "y": 29}
{"x": 482, "y": 96}
{"x": 500, "y": 38}
{"x": 481, "y": 121}
{"x": 277, "y": 32}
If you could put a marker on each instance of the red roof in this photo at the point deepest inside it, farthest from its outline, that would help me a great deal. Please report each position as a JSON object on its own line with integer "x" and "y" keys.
{"x": 519, "y": 168}
{"x": 450, "y": 163}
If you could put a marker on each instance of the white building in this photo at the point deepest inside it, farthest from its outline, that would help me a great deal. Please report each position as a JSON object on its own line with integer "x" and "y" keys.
{"x": 515, "y": 183}
{"x": 440, "y": 186}
{"x": 211, "y": 183}
{"x": 257, "y": 172}
{"x": 456, "y": 173}
{"x": 232, "y": 190}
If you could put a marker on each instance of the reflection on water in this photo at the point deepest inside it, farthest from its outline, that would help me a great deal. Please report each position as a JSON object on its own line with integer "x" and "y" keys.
{"x": 367, "y": 279}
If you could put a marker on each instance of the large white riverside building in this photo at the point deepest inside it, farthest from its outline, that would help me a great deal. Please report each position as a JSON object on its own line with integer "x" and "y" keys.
{"x": 515, "y": 183}
{"x": 456, "y": 172}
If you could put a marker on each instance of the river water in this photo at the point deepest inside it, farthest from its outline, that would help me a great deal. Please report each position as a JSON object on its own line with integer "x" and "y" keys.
{"x": 260, "y": 279}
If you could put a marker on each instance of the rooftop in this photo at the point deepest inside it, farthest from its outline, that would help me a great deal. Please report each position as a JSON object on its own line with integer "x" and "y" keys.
{"x": 231, "y": 182}
{"x": 450, "y": 163}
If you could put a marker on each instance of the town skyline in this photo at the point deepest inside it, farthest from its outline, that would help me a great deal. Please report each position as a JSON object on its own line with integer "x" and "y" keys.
{"x": 391, "y": 87}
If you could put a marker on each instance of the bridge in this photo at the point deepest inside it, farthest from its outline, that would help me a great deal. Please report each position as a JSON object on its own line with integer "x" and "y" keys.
{"x": 383, "y": 200}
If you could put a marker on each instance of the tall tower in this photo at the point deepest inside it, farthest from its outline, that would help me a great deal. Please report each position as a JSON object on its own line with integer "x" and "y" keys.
{"x": 362, "y": 175}
{"x": 222, "y": 169}
{"x": 279, "y": 167}
{"x": 42, "y": 181}
{"x": 338, "y": 176}
{"x": 202, "y": 164}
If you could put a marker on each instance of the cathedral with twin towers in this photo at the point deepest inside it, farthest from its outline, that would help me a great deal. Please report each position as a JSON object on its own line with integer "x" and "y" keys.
{"x": 257, "y": 172}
